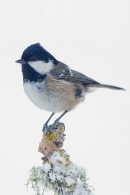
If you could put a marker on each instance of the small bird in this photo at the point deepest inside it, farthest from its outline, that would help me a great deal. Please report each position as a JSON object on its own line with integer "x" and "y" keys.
{"x": 51, "y": 85}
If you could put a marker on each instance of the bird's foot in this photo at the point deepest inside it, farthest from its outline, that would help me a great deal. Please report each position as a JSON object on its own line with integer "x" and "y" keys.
{"x": 51, "y": 128}
{"x": 45, "y": 128}
{"x": 55, "y": 133}
{"x": 56, "y": 126}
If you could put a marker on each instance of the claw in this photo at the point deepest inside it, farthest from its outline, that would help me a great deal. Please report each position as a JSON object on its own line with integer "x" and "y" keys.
{"x": 55, "y": 133}
{"x": 45, "y": 128}
{"x": 56, "y": 126}
{"x": 52, "y": 127}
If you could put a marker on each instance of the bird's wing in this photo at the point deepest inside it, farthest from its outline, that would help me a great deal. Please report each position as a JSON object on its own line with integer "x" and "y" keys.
{"x": 63, "y": 72}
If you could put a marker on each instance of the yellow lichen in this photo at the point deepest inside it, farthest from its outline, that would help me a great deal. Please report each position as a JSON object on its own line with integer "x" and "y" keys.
{"x": 53, "y": 137}
{"x": 66, "y": 157}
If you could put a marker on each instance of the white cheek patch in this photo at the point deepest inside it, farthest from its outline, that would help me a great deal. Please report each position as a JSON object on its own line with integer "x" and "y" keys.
{"x": 41, "y": 66}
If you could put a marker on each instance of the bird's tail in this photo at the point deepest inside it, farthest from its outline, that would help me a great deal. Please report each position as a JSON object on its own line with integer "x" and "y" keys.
{"x": 105, "y": 86}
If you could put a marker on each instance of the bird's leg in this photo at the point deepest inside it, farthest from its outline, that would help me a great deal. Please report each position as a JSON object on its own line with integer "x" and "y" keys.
{"x": 51, "y": 127}
{"x": 45, "y": 126}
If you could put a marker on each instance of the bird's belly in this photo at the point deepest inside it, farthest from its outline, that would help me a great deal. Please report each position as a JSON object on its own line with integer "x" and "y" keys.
{"x": 42, "y": 99}
{"x": 46, "y": 98}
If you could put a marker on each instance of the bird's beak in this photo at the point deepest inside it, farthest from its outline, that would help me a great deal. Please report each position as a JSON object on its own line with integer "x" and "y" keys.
{"x": 21, "y": 61}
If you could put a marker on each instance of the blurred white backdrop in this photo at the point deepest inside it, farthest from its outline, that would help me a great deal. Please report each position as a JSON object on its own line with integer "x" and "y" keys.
{"x": 92, "y": 37}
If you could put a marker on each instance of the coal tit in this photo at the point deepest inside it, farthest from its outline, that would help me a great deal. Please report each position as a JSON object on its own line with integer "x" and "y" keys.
{"x": 51, "y": 85}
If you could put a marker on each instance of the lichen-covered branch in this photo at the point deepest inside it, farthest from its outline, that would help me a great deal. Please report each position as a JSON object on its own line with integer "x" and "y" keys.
{"x": 57, "y": 173}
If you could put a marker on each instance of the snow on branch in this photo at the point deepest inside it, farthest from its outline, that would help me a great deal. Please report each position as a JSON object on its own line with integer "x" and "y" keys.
{"x": 57, "y": 173}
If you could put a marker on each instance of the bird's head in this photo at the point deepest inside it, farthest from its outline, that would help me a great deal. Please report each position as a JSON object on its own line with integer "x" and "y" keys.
{"x": 38, "y": 58}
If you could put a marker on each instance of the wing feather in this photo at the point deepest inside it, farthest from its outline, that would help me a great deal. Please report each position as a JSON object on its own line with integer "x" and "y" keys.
{"x": 63, "y": 72}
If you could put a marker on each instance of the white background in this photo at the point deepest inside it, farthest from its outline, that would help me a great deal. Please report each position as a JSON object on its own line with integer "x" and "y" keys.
{"x": 92, "y": 37}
